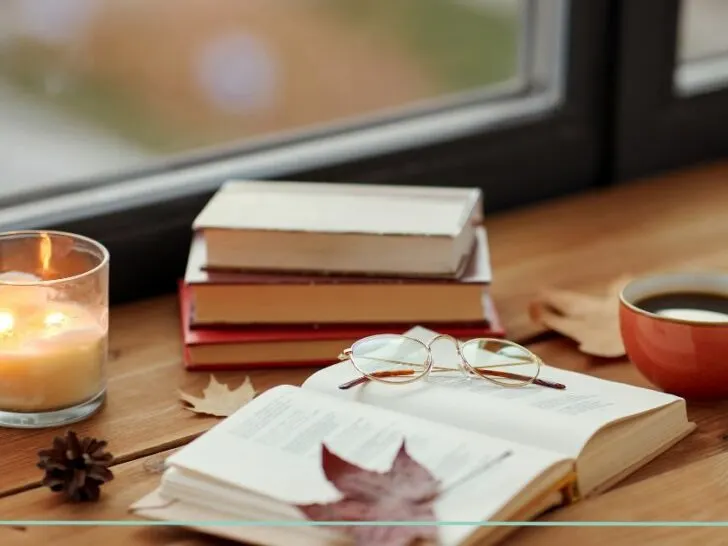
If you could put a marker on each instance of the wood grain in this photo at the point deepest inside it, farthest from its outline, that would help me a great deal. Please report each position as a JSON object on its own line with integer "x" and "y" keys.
{"x": 673, "y": 222}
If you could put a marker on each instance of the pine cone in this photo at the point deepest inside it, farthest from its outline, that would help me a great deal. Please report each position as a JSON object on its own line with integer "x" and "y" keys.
{"x": 76, "y": 468}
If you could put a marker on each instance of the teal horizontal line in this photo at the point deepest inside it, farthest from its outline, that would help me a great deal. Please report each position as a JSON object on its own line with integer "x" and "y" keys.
{"x": 248, "y": 523}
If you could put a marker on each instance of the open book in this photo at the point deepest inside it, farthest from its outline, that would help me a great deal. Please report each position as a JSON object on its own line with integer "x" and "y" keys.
{"x": 508, "y": 454}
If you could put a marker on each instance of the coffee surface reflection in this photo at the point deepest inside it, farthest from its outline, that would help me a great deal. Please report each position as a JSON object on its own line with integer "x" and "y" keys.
{"x": 693, "y": 306}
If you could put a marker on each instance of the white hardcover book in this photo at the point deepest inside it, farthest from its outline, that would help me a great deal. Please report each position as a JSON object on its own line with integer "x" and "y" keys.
{"x": 341, "y": 228}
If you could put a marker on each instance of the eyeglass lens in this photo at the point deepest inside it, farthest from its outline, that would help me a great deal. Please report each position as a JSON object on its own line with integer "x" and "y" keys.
{"x": 391, "y": 358}
{"x": 501, "y": 361}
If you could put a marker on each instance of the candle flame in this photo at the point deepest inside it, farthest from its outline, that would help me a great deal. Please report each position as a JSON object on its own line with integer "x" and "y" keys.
{"x": 46, "y": 250}
{"x": 7, "y": 322}
{"x": 54, "y": 319}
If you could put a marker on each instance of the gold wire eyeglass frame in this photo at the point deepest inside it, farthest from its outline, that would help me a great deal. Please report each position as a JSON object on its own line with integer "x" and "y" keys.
{"x": 483, "y": 372}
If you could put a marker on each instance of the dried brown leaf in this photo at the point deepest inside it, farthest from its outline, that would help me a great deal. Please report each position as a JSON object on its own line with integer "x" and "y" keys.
{"x": 218, "y": 400}
{"x": 405, "y": 492}
{"x": 591, "y": 321}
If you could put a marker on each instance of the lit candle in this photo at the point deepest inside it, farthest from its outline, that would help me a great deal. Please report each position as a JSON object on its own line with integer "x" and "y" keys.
{"x": 51, "y": 356}
{"x": 53, "y": 328}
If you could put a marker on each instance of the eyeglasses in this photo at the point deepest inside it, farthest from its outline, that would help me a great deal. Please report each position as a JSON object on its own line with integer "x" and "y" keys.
{"x": 399, "y": 359}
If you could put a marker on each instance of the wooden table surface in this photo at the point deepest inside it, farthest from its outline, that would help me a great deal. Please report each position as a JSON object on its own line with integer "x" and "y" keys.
{"x": 674, "y": 222}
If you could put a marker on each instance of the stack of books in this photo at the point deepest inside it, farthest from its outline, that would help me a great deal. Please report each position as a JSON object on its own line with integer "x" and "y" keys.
{"x": 291, "y": 273}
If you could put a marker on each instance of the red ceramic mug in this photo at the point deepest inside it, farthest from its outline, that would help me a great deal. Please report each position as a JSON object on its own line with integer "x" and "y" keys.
{"x": 683, "y": 351}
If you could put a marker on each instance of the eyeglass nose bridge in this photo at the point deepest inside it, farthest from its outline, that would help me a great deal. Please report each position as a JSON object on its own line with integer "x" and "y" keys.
{"x": 462, "y": 363}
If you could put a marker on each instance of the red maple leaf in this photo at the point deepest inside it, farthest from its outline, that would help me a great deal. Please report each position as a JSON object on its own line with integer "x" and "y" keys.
{"x": 405, "y": 492}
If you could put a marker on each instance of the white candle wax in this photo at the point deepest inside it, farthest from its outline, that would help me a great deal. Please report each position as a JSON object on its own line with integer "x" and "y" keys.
{"x": 51, "y": 353}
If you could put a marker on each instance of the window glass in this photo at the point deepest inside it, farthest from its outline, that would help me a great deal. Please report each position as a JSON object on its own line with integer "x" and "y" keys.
{"x": 703, "y": 29}
{"x": 93, "y": 87}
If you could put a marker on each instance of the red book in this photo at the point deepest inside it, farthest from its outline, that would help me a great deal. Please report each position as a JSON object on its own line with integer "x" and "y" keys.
{"x": 280, "y": 346}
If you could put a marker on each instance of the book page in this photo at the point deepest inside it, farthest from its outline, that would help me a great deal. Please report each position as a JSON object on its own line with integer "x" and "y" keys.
{"x": 558, "y": 420}
{"x": 272, "y": 447}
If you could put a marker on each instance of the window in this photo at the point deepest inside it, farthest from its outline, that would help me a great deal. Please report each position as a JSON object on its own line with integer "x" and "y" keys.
{"x": 702, "y": 46}
{"x": 671, "y": 86}
{"x": 119, "y": 118}
{"x": 100, "y": 86}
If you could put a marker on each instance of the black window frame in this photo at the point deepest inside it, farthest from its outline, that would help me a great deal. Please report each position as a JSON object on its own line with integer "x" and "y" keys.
{"x": 656, "y": 127}
{"x": 559, "y": 153}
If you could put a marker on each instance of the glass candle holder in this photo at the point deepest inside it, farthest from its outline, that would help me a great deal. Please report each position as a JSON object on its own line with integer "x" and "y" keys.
{"x": 54, "y": 309}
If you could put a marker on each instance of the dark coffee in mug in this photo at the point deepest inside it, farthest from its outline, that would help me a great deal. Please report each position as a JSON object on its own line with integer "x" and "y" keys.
{"x": 699, "y": 306}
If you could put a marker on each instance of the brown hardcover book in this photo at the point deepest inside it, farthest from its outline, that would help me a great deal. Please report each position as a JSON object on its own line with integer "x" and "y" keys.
{"x": 221, "y": 298}
{"x": 274, "y": 345}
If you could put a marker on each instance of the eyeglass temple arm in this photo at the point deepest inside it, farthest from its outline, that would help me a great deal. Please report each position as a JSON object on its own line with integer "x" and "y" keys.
{"x": 363, "y": 378}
